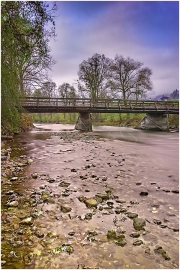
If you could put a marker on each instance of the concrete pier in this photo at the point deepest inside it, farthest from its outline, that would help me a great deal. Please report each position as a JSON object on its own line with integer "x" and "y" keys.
{"x": 84, "y": 122}
{"x": 154, "y": 121}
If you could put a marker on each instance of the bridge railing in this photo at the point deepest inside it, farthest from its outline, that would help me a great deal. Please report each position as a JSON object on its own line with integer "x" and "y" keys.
{"x": 98, "y": 103}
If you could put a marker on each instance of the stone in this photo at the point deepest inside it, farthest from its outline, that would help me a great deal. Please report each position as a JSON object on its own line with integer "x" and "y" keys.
{"x": 91, "y": 202}
{"x": 175, "y": 191}
{"x": 14, "y": 179}
{"x": 51, "y": 180}
{"x": 138, "y": 223}
{"x": 159, "y": 250}
{"x": 104, "y": 178}
{"x": 111, "y": 235}
{"x": 71, "y": 233}
{"x": 156, "y": 221}
{"x": 88, "y": 216}
{"x": 65, "y": 209}
{"x": 13, "y": 203}
{"x": 138, "y": 243}
{"x": 135, "y": 234}
{"x": 39, "y": 234}
{"x": 103, "y": 196}
{"x": 132, "y": 215}
{"x": 143, "y": 193}
{"x": 34, "y": 175}
{"x": 148, "y": 251}
{"x": 64, "y": 184}
{"x": 121, "y": 241}
{"x": 27, "y": 221}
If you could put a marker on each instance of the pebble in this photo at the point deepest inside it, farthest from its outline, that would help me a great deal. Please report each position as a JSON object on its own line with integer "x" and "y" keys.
{"x": 13, "y": 203}
{"x": 143, "y": 193}
{"x": 65, "y": 209}
{"x": 27, "y": 221}
{"x": 91, "y": 202}
{"x": 138, "y": 243}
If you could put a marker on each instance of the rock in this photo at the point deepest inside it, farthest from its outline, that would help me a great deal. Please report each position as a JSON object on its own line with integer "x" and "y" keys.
{"x": 138, "y": 183}
{"x": 121, "y": 241}
{"x": 91, "y": 202}
{"x": 88, "y": 216}
{"x": 39, "y": 234}
{"x": 138, "y": 243}
{"x": 71, "y": 233}
{"x": 175, "y": 191}
{"x": 148, "y": 251}
{"x": 111, "y": 235}
{"x": 13, "y": 203}
{"x": 51, "y": 180}
{"x": 159, "y": 250}
{"x": 156, "y": 221}
{"x": 135, "y": 234}
{"x": 27, "y": 221}
{"x": 143, "y": 193}
{"x": 34, "y": 175}
{"x": 14, "y": 179}
{"x": 104, "y": 178}
{"x": 65, "y": 209}
{"x": 138, "y": 223}
{"x": 10, "y": 192}
{"x": 82, "y": 198}
{"x": 29, "y": 258}
{"x": 22, "y": 214}
{"x": 73, "y": 170}
{"x": 102, "y": 196}
{"x": 165, "y": 256}
{"x": 29, "y": 161}
{"x": 64, "y": 184}
{"x": 132, "y": 215}
{"x": 120, "y": 210}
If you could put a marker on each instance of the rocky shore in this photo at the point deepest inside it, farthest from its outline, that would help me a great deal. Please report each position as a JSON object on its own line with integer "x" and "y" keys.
{"x": 86, "y": 202}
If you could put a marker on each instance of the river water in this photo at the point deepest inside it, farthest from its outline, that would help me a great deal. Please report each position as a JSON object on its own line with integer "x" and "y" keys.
{"x": 139, "y": 169}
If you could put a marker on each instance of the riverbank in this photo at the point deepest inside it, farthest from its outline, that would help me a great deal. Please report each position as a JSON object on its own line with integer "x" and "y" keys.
{"x": 77, "y": 200}
{"x": 103, "y": 119}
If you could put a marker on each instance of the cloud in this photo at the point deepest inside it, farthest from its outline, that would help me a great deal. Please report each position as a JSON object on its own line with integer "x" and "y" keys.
{"x": 128, "y": 29}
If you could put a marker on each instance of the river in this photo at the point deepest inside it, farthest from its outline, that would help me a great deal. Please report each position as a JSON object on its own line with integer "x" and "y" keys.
{"x": 138, "y": 170}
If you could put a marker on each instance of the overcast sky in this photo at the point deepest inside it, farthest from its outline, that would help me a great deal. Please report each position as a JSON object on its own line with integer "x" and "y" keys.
{"x": 146, "y": 31}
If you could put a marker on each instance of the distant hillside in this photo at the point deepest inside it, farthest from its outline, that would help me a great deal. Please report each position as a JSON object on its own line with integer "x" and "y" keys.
{"x": 173, "y": 95}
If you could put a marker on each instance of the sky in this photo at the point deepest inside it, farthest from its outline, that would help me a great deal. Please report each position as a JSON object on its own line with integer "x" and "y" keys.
{"x": 146, "y": 31}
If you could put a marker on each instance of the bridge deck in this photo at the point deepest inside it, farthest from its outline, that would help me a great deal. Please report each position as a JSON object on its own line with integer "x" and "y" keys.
{"x": 63, "y": 105}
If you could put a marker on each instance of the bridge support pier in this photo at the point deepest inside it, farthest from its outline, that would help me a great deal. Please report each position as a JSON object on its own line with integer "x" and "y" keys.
{"x": 84, "y": 122}
{"x": 153, "y": 121}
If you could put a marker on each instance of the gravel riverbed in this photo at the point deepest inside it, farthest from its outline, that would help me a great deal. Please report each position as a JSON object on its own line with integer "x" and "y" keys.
{"x": 81, "y": 201}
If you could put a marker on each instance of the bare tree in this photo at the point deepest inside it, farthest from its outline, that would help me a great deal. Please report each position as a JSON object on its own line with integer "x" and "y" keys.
{"x": 128, "y": 79}
{"x": 93, "y": 75}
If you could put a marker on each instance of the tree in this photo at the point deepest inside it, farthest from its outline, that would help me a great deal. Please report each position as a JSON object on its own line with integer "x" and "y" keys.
{"x": 93, "y": 76}
{"x": 24, "y": 43}
{"x": 128, "y": 79}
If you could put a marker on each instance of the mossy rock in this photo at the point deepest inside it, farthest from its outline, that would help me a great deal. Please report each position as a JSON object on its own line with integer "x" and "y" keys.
{"x": 91, "y": 202}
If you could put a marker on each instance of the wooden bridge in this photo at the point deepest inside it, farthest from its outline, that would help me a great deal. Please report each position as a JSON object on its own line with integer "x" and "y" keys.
{"x": 85, "y": 105}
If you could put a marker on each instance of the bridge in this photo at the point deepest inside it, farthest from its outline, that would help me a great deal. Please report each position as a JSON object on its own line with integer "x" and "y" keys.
{"x": 156, "y": 111}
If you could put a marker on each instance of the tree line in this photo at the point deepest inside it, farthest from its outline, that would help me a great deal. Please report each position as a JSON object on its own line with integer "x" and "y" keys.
{"x": 26, "y": 28}
{"x": 101, "y": 77}
{"x": 25, "y": 52}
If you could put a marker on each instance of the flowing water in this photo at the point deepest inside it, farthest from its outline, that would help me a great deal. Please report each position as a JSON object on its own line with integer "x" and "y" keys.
{"x": 122, "y": 162}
